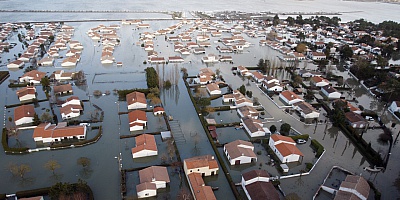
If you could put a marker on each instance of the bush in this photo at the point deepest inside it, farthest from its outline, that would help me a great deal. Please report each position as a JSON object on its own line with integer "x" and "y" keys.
{"x": 318, "y": 147}
{"x": 285, "y": 128}
{"x": 304, "y": 137}
{"x": 259, "y": 152}
{"x": 308, "y": 166}
{"x": 273, "y": 128}
{"x": 152, "y": 78}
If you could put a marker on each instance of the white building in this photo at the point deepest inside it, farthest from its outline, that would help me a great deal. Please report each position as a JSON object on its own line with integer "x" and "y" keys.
{"x": 330, "y": 92}
{"x": 257, "y": 185}
{"x": 145, "y": 146}
{"x": 394, "y": 106}
{"x": 137, "y": 120}
{"x": 289, "y": 97}
{"x": 47, "y": 132}
{"x": 254, "y": 127}
{"x": 24, "y": 114}
{"x": 136, "y": 100}
{"x": 285, "y": 148}
{"x": 205, "y": 165}
{"x": 240, "y": 152}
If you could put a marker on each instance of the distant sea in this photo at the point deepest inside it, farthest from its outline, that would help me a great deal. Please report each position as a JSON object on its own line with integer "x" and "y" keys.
{"x": 351, "y": 10}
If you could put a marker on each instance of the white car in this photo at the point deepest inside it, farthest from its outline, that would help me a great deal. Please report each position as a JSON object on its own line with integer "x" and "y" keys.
{"x": 301, "y": 141}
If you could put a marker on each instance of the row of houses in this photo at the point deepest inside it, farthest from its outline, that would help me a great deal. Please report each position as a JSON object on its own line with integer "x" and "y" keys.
{"x": 109, "y": 39}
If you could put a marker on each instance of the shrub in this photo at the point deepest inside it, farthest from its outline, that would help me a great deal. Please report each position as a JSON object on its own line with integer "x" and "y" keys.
{"x": 308, "y": 166}
{"x": 258, "y": 152}
{"x": 304, "y": 137}
{"x": 273, "y": 128}
{"x": 318, "y": 147}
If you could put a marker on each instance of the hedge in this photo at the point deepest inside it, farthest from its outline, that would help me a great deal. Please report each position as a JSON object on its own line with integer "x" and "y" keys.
{"x": 80, "y": 142}
{"x": 304, "y": 137}
{"x": 32, "y": 193}
{"x": 12, "y": 85}
{"x": 7, "y": 149}
{"x": 318, "y": 147}
{"x": 222, "y": 108}
{"x": 308, "y": 166}
{"x": 122, "y": 93}
{"x": 376, "y": 191}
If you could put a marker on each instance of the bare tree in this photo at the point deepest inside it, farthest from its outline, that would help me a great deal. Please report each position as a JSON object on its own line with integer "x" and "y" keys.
{"x": 84, "y": 161}
{"x": 19, "y": 170}
{"x": 52, "y": 165}
{"x": 184, "y": 194}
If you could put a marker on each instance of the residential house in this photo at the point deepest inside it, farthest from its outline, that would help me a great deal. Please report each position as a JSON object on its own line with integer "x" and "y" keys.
{"x": 47, "y": 132}
{"x": 151, "y": 179}
{"x": 70, "y": 111}
{"x": 272, "y": 87}
{"x": 213, "y": 89}
{"x": 145, "y": 146}
{"x": 306, "y": 110}
{"x": 254, "y": 127}
{"x": 243, "y": 71}
{"x": 199, "y": 190}
{"x": 356, "y": 120}
{"x": 62, "y": 89}
{"x": 317, "y": 56}
{"x": 70, "y": 61}
{"x": 158, "y": 110}
{"x": 240, "y": 152}
{"x": 157, "y": 60}
{"x": 289, "y": 97}
{"x": 136, "y": 100}
{"x": 61, "y": 75}
{"x": 24, "y": 114}
{"x": 330, "y": 92}
{"x": 247, "y": 111}
{"x": 146, "y": 189}
{"x": 46, "y": 61}
{"x": 15, "y": 64}
{"x": 285, "y": 148}
{"x": 228, "y": 98}
{"x": 258, "y": 77}
{"x": 318, "y": 81}
{"x": 137, "y": 120}
{"x": 204, "y": 165}
{"x": 73, "y": 100}
{"x": 27, "y": 93}
{"x": 210, "y": 58}
{"x": 353, "y": 187}
{"x": 240, "y": 100}
{"x": 257, "y": 185}
{"x": 306, "y": 74}
{"x": 33, "y": 77}
{"x": 175, "y": 59}
{"x": 271, "y": 79}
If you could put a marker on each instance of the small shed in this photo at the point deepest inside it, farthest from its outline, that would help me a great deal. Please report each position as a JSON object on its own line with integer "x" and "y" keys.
{"x": 285, "y": 168}
{"x": 165, "y": 135}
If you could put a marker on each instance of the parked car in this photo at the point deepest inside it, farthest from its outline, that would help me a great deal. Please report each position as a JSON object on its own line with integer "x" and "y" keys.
{"x": 301, "y": 141}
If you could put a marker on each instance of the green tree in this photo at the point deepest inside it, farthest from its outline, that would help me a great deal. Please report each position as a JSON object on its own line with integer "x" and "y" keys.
{"x": 36, "y": 120}
{"x": 242, "y": 89}
{"x": 346, "y": 52}
{"x": 203, "y": 102}
{"x": 45, "y": 117}
{"x": 275, "y": 20}
{"x": 285, "y": 129}
{"x": 273, "y": 128}
{"x": 52, "y": 165}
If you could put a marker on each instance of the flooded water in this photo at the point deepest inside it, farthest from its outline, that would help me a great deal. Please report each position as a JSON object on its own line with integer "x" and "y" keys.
{"x": 103, "y": 175}
{"x": 350, "y": 10}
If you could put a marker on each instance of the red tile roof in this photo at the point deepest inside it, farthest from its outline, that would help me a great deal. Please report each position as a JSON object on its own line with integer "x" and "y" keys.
{"x": 134, "y": 97}
{"x": 23, "y": 111}
{"x": 201, "y": 161}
